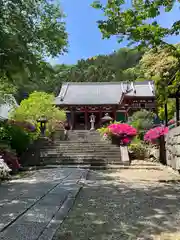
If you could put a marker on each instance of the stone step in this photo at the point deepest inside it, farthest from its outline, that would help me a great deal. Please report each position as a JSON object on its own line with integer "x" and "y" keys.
{"x": 88, "y": 148}
{"x": 83, "y": 132}
{"x": 70, "y": 159}
{"x": 80, "y": 150}
{"x": 114, "y": 158}
{"x": 83, "y": 148}
{"x": 101, "y": 143}
{"x": 71, "y": 153}
{"x": 81, "y": 154}
{"x": 78, "y": 154}
{"x": 75, "y": 162}
{"x": 108, "y": 166}
{"x": 96, "y": 143}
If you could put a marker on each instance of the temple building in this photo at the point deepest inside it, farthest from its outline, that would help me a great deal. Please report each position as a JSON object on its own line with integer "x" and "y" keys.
{"x": 118, "y": 99}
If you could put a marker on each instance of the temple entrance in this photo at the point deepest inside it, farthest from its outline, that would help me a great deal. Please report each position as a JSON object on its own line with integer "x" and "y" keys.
{"x": 79, "y": 120}
{"x": 82, "y": 119}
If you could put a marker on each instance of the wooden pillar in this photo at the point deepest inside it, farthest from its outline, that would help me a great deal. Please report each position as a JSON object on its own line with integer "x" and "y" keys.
{"x": 162, "y": 149}
{"x": 126, "y": 113}
{"x": 177, "y": 110}
{"x": 100, "y": 116}
{"x": 86, "y": 118}
{"x": 166, "y": 114}
{"x": 72, "y": 118}
{"x": 114, "y": 113}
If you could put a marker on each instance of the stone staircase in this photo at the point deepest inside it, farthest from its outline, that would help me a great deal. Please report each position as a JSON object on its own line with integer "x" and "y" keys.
{"x": 83, "y": 147}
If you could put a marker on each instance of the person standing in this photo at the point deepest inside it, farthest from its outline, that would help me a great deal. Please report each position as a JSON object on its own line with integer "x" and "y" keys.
{"x": 66, "y": 129}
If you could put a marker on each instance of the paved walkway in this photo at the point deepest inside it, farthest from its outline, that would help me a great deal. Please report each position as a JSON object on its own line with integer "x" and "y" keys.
{"x": 126, "y": 204}
{"x": 32, "y": 208}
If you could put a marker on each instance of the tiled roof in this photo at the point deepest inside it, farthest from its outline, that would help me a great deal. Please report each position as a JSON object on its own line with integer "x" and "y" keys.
{"x": 141, "y": 89}
{"x": 100, "y": 92}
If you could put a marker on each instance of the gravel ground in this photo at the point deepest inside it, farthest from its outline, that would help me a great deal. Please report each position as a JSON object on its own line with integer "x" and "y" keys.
{"x": 110, "y": 209}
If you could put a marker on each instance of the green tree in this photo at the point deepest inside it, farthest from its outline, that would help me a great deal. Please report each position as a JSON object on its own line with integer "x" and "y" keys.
{"x": 161, "y": 66}
{"x": 100, "y": 68}
{"x": 171, "y": 107}
{"x": 142, "y": 120}
{"x": 30, "y": 31}
{"x": 133, "y": 22}
{"x": 137, "y": 23}
{"x": 38, "y": 104}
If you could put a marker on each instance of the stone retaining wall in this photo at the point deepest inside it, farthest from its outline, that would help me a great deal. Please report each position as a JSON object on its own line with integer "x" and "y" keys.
{"x": 173, "y": 148}
{"x": 31, "y": 157}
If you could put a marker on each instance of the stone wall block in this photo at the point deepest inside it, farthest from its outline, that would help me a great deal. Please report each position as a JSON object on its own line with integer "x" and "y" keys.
{"x": 177, "y": 140}
{"x": 177, "y": 160}
{"x": 173, "y": 148}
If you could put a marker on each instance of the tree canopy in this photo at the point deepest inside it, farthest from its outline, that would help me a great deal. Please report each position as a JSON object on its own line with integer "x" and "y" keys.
{"x": 102, "y": 68}
{"x": 38, "y": 104}
{"x": 30, "y": 31}
{"x": 137, "y": 22}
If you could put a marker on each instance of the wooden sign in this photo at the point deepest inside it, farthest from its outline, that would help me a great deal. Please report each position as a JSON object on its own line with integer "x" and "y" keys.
{"x": 108, "y": 108}
{"x": 80, "y": 109}
{"x": 93, "y": 108}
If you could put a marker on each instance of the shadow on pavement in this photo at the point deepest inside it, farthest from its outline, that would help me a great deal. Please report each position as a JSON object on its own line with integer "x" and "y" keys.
{"x": 107, "y": 209}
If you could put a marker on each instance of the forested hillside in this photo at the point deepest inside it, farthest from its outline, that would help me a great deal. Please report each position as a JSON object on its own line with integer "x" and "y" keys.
{"x": 118, "y": 66}
{"x": 102, "y": 68}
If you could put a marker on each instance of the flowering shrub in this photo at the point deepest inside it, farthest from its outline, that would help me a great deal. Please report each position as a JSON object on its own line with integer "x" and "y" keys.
{"x": 4, "y": 169}
{"x": 155, "y": 133}
{"x": 10, "y": 158}
{"x": 24, "y": 124}
{"x": 123, "y": 131}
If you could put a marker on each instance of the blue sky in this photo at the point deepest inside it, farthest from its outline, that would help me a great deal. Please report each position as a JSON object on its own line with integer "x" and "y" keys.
{"x": 85, "y": 39}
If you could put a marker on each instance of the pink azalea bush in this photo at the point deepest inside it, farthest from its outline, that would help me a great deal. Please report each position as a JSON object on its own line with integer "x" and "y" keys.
{"x": 123, "y": 131}
{"x": 154, "y": 134}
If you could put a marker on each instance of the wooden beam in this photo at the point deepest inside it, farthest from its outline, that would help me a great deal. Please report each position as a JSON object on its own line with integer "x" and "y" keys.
{"x": 86, "y": 118}
{"x": 114, "y": 113}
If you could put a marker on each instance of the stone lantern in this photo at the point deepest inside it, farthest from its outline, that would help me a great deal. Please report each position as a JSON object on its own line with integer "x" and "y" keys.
{"x": 106, "y": 119}
{"x": 92, "y": 121}
{"x": 42, "y": 121}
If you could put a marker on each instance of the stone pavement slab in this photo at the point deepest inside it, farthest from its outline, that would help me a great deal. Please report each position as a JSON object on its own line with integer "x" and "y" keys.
{"x": 145, "y": 171}
{"x": 124, "y": 205}
{"x": 38, "y": 203}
